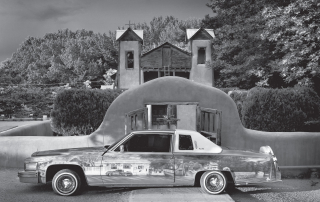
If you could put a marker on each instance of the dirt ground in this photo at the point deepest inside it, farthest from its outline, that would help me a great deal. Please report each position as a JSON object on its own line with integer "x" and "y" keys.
{"x": 289, "y": 190}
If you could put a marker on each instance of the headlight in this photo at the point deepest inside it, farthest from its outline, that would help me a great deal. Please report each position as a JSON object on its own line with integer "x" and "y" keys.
{"x": 30, "y": 166}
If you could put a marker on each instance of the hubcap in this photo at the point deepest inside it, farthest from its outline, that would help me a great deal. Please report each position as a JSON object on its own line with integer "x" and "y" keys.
{"x": 66, "y": 184}
{"x": 214, "y": 182}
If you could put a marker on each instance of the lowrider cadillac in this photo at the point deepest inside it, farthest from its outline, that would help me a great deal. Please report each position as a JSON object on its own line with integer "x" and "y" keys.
{"x": 151, "y": 158}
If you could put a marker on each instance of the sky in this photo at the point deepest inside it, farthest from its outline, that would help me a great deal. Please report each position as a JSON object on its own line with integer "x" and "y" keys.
{"x": 20, "y": 19}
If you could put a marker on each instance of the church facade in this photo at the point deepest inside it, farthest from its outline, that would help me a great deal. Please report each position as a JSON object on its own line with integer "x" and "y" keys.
{"x": 165, "y": 60}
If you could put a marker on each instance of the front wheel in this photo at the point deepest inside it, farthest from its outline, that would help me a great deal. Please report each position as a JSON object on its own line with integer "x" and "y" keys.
{"x": 213, "y": 182}
{"x": 66, "y": 182}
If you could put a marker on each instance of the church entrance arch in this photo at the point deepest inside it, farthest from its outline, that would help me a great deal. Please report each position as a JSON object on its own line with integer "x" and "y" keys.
{"x": 176, "y": 115}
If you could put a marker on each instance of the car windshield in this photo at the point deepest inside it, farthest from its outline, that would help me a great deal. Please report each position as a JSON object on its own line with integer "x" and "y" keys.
{"x": 118, "y": 140}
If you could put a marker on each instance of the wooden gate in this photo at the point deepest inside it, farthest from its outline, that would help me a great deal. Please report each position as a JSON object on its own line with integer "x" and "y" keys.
{"x": 136, "y": 120}
{"x": 209, "y": 123}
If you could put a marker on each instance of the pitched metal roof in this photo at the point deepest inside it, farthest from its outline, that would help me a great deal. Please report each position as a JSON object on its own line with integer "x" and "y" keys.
{"x": 166, "y": 43}
{"x": 192, "y": 32}
{"x": 119, "y": 33}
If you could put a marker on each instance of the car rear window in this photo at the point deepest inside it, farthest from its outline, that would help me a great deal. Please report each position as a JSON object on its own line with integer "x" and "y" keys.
{"x": 185, "y": 142}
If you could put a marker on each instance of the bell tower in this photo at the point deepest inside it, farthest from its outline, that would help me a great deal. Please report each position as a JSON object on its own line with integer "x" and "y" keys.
{"x": 200, "y": 45}
{"x": 130, "y": 45}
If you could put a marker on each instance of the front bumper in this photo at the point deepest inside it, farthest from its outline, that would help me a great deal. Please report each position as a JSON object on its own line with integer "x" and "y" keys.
{"x": 29, "y": 176}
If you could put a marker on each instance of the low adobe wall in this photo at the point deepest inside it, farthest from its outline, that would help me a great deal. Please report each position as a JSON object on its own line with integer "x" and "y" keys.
{"x": 291, "y": 148}
{"x": 42, "y": 128}
{"x": 13, "y": 150}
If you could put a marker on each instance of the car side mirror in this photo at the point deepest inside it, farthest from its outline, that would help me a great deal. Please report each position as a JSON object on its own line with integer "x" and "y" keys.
{"x": 121, "y": 148}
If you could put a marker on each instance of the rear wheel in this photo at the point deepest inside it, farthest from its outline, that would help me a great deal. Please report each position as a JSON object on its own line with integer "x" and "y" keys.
{"x": 66, "y": 182}
{"x": 213, "y": 182}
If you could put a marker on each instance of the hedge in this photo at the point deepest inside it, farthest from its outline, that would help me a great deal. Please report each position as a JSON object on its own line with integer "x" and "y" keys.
{"x": 282, "y": 110}
{"x": 239, "y": 97}
{"x": 80, "y": 111}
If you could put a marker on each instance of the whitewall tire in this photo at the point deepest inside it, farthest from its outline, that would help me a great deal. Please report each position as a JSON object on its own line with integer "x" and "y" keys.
{"x": 66, "y": 182}
{"x": 213, "y": 182}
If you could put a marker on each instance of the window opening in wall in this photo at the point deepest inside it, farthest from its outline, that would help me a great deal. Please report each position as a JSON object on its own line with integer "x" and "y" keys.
{"x": 161, "y": 114}
{"x": 130, "y": 59}
{"x": 201, "y": 55}
{"x": 185, "y": 142}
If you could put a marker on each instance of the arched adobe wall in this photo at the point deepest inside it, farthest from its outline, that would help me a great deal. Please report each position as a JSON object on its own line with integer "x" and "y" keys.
{"x": 13, "y": 150}
{"x": 291, "y": 148}
{"x": 167, "y": 89}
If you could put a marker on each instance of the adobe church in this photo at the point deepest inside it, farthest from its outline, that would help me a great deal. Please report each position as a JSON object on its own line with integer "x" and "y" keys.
{"x": 166, "y": 60}
{"x": 170, "y": 62}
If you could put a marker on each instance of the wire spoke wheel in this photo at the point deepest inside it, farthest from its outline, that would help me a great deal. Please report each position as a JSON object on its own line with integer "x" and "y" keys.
{"x": 66, "y": 182}
{"x": 213, "y": 182}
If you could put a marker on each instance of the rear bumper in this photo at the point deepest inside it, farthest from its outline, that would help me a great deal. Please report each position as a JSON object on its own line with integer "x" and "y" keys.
{"x": 29, "y": 176}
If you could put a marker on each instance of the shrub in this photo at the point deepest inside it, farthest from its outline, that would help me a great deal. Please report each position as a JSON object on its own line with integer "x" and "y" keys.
{"x": 239, "y": 96}
{"x": 32, "y": 100}
{"x": 9, "y": 106}
{"x": 282, "y": 110}
{"x": 80, "y": 112}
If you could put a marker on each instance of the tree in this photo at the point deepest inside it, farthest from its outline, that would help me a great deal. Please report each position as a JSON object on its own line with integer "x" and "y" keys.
{"x": 241, "y": 56}
{"x": 62, "y": 57}
{"x": 295, "y": 29}
{"x": 166, "y": 29}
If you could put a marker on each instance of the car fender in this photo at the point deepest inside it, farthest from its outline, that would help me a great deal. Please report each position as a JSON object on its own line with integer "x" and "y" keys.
{"x": 52, "y": 169}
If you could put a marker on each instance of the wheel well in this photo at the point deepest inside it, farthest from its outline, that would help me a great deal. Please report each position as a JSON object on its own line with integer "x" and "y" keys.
{"x": 52, "y": 170}
{"x": 197, "y": 178}
{"x": 227, "y": 174}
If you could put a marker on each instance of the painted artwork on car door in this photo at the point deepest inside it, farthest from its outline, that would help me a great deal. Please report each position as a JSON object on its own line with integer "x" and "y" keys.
{"x": 142, "y": 159}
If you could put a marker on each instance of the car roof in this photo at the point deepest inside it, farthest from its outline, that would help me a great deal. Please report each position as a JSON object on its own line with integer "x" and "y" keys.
{"x": 163, "y": 131}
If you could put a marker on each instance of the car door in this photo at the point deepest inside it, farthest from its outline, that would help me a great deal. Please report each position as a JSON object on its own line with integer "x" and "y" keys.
{"x": 142, "y": 159}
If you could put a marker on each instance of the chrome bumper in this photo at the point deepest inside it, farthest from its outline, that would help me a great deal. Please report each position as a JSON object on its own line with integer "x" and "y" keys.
{"x": 29, "y": 176}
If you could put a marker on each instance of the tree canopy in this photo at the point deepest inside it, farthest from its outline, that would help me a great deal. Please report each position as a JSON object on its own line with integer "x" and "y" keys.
{"x": 265, "y": 42}
{"x": 62, "y": 57}
{"x": 295, "y": 31}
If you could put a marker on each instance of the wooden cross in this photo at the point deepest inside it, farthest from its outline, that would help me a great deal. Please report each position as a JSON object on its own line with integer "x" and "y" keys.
{"x": 168, "y": 119}
{"x": 130, "y": 24}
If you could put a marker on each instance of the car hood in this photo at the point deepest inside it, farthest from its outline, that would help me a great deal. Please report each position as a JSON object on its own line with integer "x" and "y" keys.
{"x": 71, "y": 151}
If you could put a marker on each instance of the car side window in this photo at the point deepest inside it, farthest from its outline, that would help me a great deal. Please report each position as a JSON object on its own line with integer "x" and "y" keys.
{"x": 185, "y": 142}
{"x": 148, "y": 143}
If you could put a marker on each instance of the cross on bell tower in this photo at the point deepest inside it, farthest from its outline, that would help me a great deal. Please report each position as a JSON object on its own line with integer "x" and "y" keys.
{"x": 130, "y": 24}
